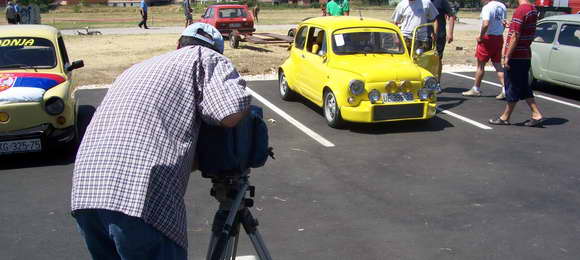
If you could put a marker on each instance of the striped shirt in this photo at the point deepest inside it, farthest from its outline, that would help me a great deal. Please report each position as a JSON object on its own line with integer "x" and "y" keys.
{"x": 524, "y": 24}
{"x": 138, "y": 151}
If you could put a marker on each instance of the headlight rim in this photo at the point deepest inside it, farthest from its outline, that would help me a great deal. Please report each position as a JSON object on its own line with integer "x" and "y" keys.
{"x": 50, "y": 102}
{"x": 433, "y": 85}
{"x": 352, "y": 90}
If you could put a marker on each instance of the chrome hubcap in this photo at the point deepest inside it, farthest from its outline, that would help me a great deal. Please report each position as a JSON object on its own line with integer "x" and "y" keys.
{"x": 330, "y": 107}
{"x": 283, "y": 85}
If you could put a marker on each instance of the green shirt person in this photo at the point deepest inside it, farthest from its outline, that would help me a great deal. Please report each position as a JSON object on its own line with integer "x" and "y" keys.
{"x": 333, "y": 9}
{"x": 345, "y": 7}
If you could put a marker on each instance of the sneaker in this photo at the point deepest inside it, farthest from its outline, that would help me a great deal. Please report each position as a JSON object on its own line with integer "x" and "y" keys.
{"x": 472, "y": 93}
{"x": 500, "y": 96}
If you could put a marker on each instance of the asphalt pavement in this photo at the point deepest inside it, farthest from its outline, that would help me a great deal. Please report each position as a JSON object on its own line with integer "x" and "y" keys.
{"x": 441, "y": 189}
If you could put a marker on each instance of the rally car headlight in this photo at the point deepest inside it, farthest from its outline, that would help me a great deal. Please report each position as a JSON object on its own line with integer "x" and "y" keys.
{"x": 356, "y": 87}
{"x": 54, "y": 106}
{"x": 430, "y": 83}
{"x": 374, "y": 96}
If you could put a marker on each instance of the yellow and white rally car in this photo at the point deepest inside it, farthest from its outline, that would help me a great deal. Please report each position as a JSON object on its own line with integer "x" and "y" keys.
{"x": 37, "y": 108}
{"x": 362, "y": 70}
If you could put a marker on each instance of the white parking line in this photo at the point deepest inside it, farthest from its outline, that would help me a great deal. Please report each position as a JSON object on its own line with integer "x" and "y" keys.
{"x": 465, "y": 119}
{"x": 323, "y": 141}
{"x": 536, "y": 95}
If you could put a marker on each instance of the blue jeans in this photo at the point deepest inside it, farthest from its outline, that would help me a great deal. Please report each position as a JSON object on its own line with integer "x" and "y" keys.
{"x": 516, "y": 81}
{"x": 114, "y": 235}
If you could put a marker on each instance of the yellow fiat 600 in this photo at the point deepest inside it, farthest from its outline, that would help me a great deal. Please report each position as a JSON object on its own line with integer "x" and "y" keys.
{"x": 36, "y": 103}
{"x": 362, "y": 70}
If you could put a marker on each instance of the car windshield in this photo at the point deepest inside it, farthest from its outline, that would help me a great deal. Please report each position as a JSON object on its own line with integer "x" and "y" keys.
{"x": 367, "y": 40}
{"x": 232, "y": 13}
{"x": 26, "y": 52}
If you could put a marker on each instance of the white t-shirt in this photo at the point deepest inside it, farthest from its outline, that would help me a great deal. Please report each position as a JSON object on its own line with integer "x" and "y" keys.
{"x": 495, "y": 13}
{"x": 410, "y": 14}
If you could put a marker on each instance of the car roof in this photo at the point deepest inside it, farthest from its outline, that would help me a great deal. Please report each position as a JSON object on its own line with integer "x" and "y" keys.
{"x": 29, "y": 30}
{"x": 229, "y": 6}
{"x": 339, "y": 22}
{"x": 565, "y": 18}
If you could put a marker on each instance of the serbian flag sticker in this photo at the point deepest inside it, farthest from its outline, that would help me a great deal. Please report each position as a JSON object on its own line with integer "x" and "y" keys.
{"x": 26, "y": 87}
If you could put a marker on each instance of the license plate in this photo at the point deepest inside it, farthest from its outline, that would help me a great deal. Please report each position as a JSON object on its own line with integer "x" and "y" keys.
{"x": 235, "y": 25}
{"x": 20, "y": 146}
{"x": 397, "y": 97}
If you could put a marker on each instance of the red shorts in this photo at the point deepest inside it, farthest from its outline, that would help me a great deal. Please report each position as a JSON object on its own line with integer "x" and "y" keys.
{"x": 489, "y": 48}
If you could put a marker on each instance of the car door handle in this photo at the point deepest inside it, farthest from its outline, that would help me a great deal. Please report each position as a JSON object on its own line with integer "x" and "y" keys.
{"x": 302, "y": 55}
{"x": 555, "y": 48}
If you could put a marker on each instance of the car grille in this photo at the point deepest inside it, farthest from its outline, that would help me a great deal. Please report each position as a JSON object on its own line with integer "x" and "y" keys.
{"x": 392, "y": 112}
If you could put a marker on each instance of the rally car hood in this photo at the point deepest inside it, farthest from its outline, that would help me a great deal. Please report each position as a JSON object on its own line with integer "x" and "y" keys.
{"x": 378, "y": 68}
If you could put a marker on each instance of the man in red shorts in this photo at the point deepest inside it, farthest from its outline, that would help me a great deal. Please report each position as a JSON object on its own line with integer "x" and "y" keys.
{"x": 489, "y": 44}
{"x": 516, "y": 63}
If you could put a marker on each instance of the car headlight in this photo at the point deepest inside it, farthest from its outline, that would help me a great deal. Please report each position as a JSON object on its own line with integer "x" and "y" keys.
{"x": 424, "y": 94}
{"x": 430, "y": 83}
{"x": 374, "y": 96}
{"x": 54, "y": 106}
{"x": 356, "y": 87}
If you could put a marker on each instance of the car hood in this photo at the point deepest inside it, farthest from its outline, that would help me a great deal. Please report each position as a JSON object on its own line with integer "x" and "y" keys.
{"x": 26, "y": 87}
{"x": 378, "y": 68}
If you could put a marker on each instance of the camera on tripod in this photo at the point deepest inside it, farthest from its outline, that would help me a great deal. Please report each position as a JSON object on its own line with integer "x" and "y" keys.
{"x": 226, "y": 155}
{"x": 228, "y": 152}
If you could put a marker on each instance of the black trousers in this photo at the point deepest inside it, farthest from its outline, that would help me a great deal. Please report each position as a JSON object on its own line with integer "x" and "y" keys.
{"x": 143, "y": 21}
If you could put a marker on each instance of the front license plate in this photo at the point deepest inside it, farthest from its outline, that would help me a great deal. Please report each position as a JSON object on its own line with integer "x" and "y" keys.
{"x": 20, "y": 146}
{"x": 397, "y": 97}
{"x": 235, "y": 25}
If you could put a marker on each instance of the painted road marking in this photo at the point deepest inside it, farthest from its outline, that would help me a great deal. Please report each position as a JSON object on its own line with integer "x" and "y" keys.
{"x": 465, "y": 119}
{"x": 323, "y": 141}
{"x": 536, "y": 95}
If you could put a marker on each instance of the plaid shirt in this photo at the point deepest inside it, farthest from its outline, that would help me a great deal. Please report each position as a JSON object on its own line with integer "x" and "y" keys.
{"x": 138, "y": 151}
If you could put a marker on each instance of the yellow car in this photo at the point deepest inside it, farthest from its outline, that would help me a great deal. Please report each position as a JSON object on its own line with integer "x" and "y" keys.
{"x": 360, "y": 70}
{"x": 36, "y": 103}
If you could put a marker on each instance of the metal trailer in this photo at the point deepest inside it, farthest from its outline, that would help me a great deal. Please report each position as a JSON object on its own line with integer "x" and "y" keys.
{"x": 235, "y": 37}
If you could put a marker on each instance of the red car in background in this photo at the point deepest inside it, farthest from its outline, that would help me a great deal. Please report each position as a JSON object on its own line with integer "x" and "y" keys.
{"x": 228, "y": 18}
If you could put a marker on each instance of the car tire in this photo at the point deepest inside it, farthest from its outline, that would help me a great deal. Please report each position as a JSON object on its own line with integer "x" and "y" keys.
{"x": 332, "y": 111}
{"x": 285, "y": 92}
{"x": 234, "y": 40}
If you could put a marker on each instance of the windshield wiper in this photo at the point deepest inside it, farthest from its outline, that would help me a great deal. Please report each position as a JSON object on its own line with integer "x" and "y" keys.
{"x": 19, "y": 66}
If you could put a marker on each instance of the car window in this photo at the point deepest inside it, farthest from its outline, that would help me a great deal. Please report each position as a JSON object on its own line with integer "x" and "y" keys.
{"x": 208, "y": 13}
{"x": 232, "y": 13}
{"x": 315, "y": 37}
{"x": 301, "y": 37}
{"x": 26, "y": 51}
{"x": 546, "y": 32}
{"x": 570, "y": 35}
{"x": 367, "y": 40}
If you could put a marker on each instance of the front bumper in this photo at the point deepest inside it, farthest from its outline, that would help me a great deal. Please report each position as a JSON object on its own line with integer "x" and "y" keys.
{"x": 366, "y": 112}
{"x": 45, "y": 133}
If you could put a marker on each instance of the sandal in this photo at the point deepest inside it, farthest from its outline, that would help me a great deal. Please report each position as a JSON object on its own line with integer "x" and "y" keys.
{"x": 534, "y": 122}
{"x": 498, "y": 121}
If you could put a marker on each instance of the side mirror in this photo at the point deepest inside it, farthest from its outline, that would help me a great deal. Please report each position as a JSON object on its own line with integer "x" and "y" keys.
{"x": 75, "y": 65}
{"x": 419, "y": 51}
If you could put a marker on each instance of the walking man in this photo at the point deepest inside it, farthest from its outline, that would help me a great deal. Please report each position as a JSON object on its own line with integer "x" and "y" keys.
{"x": 443, "y": 34}
{"x": 489, "y": 45}
{"x": 143, "y": 9}
{"x": 11, "y": 13}
{"x": 411, "y": 13}
{"x": 133, "y": 165}
{"x": 516, "y": 63}
{"x": 188, "y": 11}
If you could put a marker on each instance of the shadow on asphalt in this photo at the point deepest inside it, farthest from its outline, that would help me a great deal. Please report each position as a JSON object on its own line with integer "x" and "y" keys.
{"x": 51, "y": 155}
{"x": 549, "y": 121}
{"x": 556, "y": 90}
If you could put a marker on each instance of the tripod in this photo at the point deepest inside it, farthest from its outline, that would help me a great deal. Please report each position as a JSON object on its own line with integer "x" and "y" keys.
{"x": 231, "y": 190}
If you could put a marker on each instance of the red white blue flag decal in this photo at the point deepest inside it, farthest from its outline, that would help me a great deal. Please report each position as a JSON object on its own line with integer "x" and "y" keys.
{"x": 26, "y": 87}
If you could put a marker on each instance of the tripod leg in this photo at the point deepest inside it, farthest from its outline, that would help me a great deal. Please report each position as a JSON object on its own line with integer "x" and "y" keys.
{"x": 251, "y": 226}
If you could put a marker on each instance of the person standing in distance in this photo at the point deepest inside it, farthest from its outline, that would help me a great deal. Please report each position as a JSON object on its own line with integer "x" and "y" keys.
{"x": 411, "y": 13}
{"x": 11, "y": 13}
{"x": 133, "y": 165}
{"x": 443, "y": 34}
{"x": 143, "y": 9}
{"x": 333, "y": 9}
{"x": 516, "y": 63}
{"x": 489, "y": 45}
{"x": 345, "y": 7}
{"x": 188, "y": 11}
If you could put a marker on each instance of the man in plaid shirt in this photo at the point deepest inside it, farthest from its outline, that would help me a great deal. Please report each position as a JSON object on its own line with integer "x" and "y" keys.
{"x": 134, "y": 162}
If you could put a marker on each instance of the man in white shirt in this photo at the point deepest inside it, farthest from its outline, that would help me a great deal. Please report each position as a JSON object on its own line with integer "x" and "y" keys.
{"x": 489, "y": 44}
{"x": 411, "y": 13}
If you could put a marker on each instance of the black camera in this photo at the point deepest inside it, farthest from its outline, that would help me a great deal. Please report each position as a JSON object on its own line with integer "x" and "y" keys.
{"x": 224, "y": 152}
